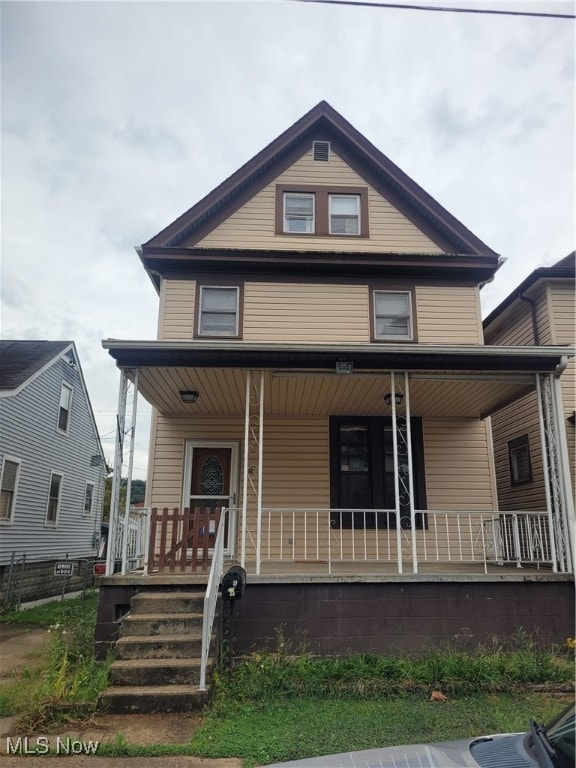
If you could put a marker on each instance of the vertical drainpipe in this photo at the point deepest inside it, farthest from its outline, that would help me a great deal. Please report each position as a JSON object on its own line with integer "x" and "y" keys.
{"x": 532, "y": 305}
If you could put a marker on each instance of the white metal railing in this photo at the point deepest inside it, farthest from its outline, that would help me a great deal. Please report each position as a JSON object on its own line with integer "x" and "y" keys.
{"x": 328, "y": 537}
{"x": 211, "y": 597}
{"x": 132, "y": 543}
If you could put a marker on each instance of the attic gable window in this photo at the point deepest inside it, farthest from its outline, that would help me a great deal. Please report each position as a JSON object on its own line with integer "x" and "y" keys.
{"x": 64, "y": 407}
{"x": 218, "y": 313}
{"x": 344, "y": 214}
{"x": 298, "y": 212}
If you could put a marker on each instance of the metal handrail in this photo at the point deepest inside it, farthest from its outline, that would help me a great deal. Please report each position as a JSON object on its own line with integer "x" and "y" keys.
{"x": 211, "y": 597}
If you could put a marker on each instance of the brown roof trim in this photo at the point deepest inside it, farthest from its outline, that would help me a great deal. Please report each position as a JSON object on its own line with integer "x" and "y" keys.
{"x": 385, "y": 357}
{"x": 323, "y": 120}
{"x": 164, "y": 262}
{"x": 565, "y": 269}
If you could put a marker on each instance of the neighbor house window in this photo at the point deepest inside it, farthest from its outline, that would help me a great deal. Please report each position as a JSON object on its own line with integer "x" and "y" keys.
{"x": 88, "y": 498}
{"x": 299, "y": 212}
{"x": 8, "y": 488}
{"x": 219, "y": 311}
{"x": 64, "y": 408}
{"x": 54, "y": 494}
{"x": 344, "y": 214}
{"x": 393, "y": 315}
{"x": 519, "y": 460}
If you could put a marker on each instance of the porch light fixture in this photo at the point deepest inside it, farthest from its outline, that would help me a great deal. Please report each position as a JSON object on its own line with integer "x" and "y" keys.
{"x": 344, "y": 367}
{"x": 188, "y": 396}
{"x": 398, "y": 397}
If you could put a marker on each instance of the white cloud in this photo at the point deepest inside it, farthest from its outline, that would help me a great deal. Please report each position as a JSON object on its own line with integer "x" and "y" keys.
{"x": 117, "y": 117}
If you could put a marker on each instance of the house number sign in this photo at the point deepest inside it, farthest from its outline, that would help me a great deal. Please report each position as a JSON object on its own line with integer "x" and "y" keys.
{"x": 63, "y": 568}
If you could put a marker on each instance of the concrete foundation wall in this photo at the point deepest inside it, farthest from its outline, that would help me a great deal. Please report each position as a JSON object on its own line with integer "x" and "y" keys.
{"x": 36, "y": 580}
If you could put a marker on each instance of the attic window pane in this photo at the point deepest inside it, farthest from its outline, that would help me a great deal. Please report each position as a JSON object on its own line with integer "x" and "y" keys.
{"x": 299, "y": 212}
{"x": 344, "y": 214}
{"x": 218, "y": 311}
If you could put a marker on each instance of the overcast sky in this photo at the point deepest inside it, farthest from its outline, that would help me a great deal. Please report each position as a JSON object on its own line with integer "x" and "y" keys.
{"x": 117, "y": 117}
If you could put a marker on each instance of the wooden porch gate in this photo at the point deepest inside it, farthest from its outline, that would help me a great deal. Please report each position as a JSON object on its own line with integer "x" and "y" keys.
{"x": 182, "y": 540}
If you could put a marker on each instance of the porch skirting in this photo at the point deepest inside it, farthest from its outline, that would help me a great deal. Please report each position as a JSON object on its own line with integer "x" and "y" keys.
{"x": 339, "y": 617}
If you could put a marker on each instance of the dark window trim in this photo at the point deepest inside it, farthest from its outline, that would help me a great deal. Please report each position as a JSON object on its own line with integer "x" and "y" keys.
{"x": 321, "y": 208}
{"x": 517, "y": 443}
{"x": 393, "y": 288}
{"x": 419, "y": 478}
{"x": 219, "y": 283}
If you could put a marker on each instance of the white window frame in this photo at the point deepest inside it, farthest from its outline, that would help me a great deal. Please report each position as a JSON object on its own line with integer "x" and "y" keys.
{"x": 409, "y": 335}
{"x": 312, "y": 219}
{"x": 54, "y": 523}
{"x": 65, "y": 387}
{"x": 88, "y": 512}
{"x": 9, "y": 519}
{"x": 351, "y": 196}
{"x": 202, "y": 312}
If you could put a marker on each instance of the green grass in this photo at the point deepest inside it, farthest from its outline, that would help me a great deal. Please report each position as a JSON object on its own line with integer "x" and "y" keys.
{"x": 65, "y": 684}
{"x": 291, "y": 730}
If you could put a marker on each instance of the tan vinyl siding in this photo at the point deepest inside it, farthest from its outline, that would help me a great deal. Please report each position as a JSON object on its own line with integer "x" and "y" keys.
{"x": 510, "y": 423}
{"x": 448, "y": 315}
{"x": 458, "y": 475}
{"x": 563, "y": 309}
{"x": 515, "y": 326}
{"x": 253, "y": 225}
{"x": 177, "y": 300}
{"x": 286, "y": 312}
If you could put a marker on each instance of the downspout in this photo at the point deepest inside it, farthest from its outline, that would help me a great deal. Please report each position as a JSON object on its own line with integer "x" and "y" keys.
{"x": 532, "y": 304}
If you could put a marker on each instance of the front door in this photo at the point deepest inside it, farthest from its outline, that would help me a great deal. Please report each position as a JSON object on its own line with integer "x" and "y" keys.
{"x": 210, "y": 480}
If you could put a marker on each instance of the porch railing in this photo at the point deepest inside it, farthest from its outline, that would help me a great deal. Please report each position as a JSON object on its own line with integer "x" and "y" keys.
{"x": 211, "y": 597}
{"x": 182, "y": 540}
{"x": 329, "y": 538}
{"x": 132, "y": 543}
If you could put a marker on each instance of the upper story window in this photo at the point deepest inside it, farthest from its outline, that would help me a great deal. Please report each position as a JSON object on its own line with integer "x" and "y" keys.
{"x": 8, "y": 488}
{"x": 321, "y": 211}
{"x": 519, "y": 460}
{"x": 54, "y": 494}
{"x": 298, "y": 212}
{"x": 64, "y": 407}
{"x": 219, "y": 311}
{"x": 393, "y": 315}
{"x": 344, "y": 214}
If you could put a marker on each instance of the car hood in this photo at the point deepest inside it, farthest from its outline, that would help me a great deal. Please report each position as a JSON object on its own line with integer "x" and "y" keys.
{"x": 447, "y": 754}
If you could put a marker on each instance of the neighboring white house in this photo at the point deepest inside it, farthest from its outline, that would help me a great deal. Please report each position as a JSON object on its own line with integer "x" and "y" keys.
{"x": 52, "y": 470}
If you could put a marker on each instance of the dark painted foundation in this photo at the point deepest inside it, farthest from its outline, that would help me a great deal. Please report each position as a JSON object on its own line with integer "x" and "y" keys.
{"x": 337, "y": 618}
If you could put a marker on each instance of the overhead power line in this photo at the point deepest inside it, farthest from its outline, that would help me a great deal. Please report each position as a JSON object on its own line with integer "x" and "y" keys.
{"x": 411, "y": 7}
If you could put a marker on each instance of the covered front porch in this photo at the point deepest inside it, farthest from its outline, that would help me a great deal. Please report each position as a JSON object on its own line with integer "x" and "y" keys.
{"x": 418, "y": 500}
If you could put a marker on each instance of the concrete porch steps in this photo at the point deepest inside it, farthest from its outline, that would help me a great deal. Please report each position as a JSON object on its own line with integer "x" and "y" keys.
{"x": 157, "y": 665}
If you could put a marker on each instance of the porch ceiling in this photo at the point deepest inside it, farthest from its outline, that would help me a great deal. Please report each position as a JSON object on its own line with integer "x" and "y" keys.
{"x": 222, "y": 391}
{"x": 445, "y": 381}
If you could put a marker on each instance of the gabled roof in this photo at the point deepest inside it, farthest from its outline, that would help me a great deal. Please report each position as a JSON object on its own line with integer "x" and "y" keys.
{"x": 321, "y": 123}
{"x": 21, "y": 360}
{"x": 565, "y": 269}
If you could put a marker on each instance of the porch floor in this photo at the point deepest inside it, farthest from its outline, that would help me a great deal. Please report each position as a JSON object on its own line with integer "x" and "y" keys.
{"x": 310, "y": 571}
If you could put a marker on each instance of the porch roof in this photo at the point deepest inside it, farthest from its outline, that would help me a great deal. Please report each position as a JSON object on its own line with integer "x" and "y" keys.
{"x": 445, "y": 381}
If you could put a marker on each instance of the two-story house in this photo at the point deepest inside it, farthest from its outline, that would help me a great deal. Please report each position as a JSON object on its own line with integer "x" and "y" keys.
{"x": 320, "y": 374}
{"x": 52, "y": 471}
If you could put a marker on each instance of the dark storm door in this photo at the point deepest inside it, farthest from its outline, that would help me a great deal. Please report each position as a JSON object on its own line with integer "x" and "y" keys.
{"x": 362, "y": 472}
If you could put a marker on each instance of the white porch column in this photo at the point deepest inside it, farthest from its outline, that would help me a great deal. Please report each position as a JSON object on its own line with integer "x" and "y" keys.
{"x": 130, "y": 470}
{"x": 564, "y": 468}
{"x": 396, "y": 475}
{"x": 253, "y": 444}
{"x": 113, "y": 522}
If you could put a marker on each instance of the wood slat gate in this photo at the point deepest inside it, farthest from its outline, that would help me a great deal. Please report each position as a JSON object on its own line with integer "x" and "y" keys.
{"x": 182, "y": 540}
